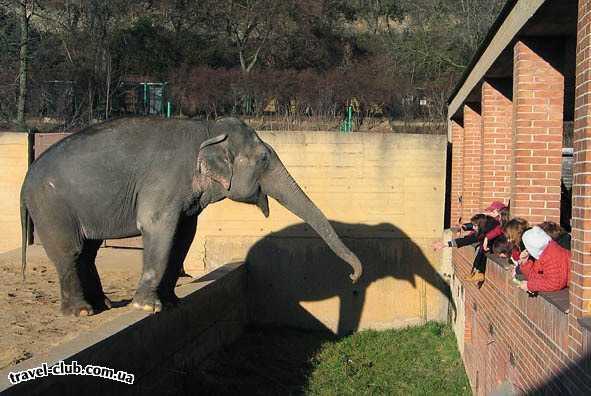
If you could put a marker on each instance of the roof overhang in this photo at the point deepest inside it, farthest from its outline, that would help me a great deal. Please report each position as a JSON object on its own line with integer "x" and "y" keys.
{"x": 551, "y": 20}
{"x": 510, "y": 22}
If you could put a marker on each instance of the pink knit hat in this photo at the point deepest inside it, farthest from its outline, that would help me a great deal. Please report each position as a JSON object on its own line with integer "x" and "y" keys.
{"x": 496, "y": 205}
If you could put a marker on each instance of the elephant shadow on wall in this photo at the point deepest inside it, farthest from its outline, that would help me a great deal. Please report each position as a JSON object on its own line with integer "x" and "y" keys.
{"x": 294, "y": 279}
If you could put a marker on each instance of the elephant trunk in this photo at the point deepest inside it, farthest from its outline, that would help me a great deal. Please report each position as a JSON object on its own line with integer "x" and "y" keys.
{"x": 279, "y": 184}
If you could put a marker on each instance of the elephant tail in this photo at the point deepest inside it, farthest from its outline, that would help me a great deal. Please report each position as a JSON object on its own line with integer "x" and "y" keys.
{"x": 25, "y": 221}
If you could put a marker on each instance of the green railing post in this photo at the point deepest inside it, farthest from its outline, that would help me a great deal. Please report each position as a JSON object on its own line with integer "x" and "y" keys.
{"x": 168, "y": 109}
{"x": 347, "y": 125}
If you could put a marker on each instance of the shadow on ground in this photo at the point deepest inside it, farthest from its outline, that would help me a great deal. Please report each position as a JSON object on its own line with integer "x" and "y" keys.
{"x": 264, "y": 361}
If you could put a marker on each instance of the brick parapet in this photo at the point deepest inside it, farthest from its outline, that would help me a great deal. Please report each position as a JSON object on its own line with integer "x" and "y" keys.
{"x": 510, "y": 336}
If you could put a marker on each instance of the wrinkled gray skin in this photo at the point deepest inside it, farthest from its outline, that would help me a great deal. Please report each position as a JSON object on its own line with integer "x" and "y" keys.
{"x": 150, "y": 177}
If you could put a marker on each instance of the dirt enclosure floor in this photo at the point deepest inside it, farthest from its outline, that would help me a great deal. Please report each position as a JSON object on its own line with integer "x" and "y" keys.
{"x": 30, "y": 319}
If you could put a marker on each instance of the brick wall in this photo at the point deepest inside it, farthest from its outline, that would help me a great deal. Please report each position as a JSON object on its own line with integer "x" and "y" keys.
{"x": 497, "y": 114}
{"x": 580, "y": 286}
{"x": 539, "y": 344}
{"x": 457, "y": 158}
{"x": 471, "y": 162}
{"x": 509, "y": 336}
{"x": 538, "y": 96}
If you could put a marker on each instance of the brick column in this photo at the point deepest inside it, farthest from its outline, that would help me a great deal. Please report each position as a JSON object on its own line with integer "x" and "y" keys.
{"x": 457, "y": 170}
{"x": 472, "y": 158}
{"x": 497, "y": 115}
{"x": 580, "y": 285}
{"x": 538, "y": 95}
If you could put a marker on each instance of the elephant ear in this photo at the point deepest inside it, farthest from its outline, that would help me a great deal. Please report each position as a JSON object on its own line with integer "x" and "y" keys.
{"x": 214, "y": 161}
{"x": 263, "y": 203}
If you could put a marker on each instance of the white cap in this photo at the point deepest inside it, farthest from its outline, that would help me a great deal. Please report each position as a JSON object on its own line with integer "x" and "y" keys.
{"x": 535, "y": 241}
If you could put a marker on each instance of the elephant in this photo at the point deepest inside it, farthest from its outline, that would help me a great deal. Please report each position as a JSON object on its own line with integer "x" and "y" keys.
{"x": 150, "y": 177}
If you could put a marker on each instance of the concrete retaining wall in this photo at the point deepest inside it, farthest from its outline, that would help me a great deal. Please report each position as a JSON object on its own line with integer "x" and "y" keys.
{"x": 13, "y": 167}
{"x": 384, "y": 194}
{"x": 154, "y": 348}
{"x": 363, "y": 178}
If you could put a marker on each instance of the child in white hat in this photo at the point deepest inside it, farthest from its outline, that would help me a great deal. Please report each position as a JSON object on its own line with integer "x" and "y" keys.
{"x": 548, "y": 266}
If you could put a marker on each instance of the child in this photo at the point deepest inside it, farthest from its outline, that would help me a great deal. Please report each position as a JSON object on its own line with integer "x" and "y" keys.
{"x": 513, "y": 230}
{"x": 500, "y": 212}
{"x": 502, "y": 247}
{"x": 482, "y": 225}
{"x": 557, "y": 233}
{"x": 547, "y": 268}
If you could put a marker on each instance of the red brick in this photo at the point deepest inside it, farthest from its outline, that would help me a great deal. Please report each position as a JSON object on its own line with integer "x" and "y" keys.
{"x": 472, "y": 150}
{"x": 539, "y": 90}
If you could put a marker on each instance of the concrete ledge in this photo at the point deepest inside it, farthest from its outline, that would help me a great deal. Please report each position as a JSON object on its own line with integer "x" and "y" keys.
{"x": 154, "y": 348}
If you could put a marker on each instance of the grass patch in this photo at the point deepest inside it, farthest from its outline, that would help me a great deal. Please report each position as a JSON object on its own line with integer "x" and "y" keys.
{"x": 280, "y": 361}
{"x": 417, "y": 360}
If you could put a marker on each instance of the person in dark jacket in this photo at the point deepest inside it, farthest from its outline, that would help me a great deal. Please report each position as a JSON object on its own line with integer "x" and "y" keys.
{"x": 557, "y": 233}
{"x": 483, "y": 226}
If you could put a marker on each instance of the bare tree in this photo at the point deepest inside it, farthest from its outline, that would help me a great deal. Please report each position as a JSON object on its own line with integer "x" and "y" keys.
{"x": 248, "y": 24}
{"x": 24, "y": 10}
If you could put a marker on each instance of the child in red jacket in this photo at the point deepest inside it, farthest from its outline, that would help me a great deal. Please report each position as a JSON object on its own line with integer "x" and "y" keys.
{"x": 547, "y": 268}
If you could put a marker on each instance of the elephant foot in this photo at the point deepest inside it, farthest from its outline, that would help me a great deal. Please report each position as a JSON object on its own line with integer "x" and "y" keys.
{"x": 101, "y": 303}
{"x": 108, "y": 303}
{"x": 170, "y": 300}
{"x": 78, "y": 308}
{"x": 147, "y": 302}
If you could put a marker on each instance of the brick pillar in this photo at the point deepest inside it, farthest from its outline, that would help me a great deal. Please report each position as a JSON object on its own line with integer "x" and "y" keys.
{"x": 538, "y": 95}
{"x": 472, "y": 158}
{"x": 580, "y": 285}
{"x": 457, "y": 170}
{"x": 497, "y": 115}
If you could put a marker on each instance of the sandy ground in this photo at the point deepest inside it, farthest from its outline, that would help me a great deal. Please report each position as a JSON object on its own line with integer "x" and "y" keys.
{"x": 30, "y": 319}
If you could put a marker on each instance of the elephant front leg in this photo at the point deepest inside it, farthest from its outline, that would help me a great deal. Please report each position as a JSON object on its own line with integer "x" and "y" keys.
{"x": 158, "y": 243}
{"x": 183, "y": 238}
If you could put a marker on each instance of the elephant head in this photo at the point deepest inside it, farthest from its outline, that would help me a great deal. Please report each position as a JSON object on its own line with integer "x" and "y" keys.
{"x": 246, "y": 169}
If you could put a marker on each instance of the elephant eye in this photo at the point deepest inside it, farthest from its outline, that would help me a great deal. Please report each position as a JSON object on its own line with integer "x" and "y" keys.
{"x": 265, "y": 157}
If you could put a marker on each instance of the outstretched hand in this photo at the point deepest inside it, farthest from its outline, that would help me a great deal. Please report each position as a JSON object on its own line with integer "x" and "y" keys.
{"x": 438, "y": 245}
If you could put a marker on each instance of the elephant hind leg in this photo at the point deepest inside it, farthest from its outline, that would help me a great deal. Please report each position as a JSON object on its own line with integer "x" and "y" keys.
{"x": 68, "y": 251}
{"x": 92, "y": 288}
{"x": 65, "y": 256}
